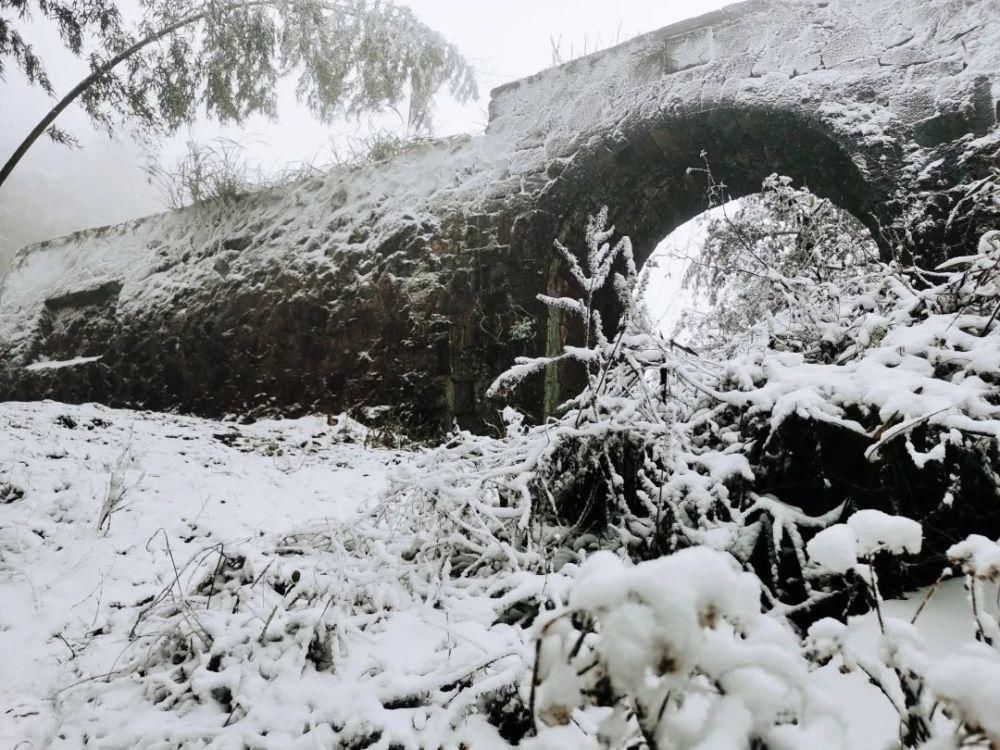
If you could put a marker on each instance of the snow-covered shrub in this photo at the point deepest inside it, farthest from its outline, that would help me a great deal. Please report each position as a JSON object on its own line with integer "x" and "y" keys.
{"x": 913, "y": 682}
{"x": 887, "y": 398}
{"x": 978, "y": 558}
{"x": 633, "y": 462}
{"x": 119, "y": 485}
{"x": 779, "y": 262}
{"x": 218, "y": 169}
{"x": 863, "y": 381}
{"x": 323, "y": 637}
{"x": 674, "y": 653}
{"x": 379, "y": 145}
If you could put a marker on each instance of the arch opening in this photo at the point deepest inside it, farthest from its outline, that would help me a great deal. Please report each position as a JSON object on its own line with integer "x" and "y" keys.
{"x": 755, "y": 264}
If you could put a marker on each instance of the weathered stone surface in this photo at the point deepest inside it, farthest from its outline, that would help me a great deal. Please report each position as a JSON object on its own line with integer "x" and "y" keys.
{"x": 413, "y": 282}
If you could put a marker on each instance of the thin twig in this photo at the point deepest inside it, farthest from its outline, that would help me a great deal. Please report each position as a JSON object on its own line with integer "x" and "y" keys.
{"x": 263, "y": 632}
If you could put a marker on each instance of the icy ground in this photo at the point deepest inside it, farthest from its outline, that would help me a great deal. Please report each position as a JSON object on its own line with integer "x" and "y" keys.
{"x": 87, "y": 617}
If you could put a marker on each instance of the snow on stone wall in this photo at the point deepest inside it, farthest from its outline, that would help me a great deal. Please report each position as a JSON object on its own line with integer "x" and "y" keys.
{"x": 401, "y": 281}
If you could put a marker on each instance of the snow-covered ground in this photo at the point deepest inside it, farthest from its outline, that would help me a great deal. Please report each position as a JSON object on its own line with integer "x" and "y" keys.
{"x": 260, "y": 517}
{"x": 68, "y": 591}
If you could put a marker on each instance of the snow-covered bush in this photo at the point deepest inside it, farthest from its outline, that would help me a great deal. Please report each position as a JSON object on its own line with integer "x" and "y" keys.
{"x": 781, "y": 260}
{"x": 913, "y": 682}
{"x": 863, "y": 381}
{"x": 379, "y": 145}
{"x": 674, "y": 653}
{"x": 633, "y": 462}
{"x": 678, "y": 653}
{"x": 894, "y": 407}
{"x": 322, "y": 637}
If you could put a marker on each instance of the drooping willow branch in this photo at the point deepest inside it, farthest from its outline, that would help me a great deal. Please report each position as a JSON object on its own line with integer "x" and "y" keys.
{"x": 444, "y": 61}
{"x": 102, "y": 70}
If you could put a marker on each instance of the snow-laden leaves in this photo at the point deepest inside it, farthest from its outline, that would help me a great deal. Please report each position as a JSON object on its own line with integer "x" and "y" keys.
{"x": 676, "y": 653}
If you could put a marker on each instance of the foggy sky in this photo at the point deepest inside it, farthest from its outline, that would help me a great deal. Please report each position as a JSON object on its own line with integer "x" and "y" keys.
{"x": 56, "y": 190}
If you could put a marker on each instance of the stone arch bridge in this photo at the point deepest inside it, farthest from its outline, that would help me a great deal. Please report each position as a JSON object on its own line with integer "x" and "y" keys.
{"x": 412, "y": 282}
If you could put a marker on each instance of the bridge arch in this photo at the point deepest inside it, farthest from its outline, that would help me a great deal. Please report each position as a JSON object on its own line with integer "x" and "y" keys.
{"x": 651, "y": 177}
